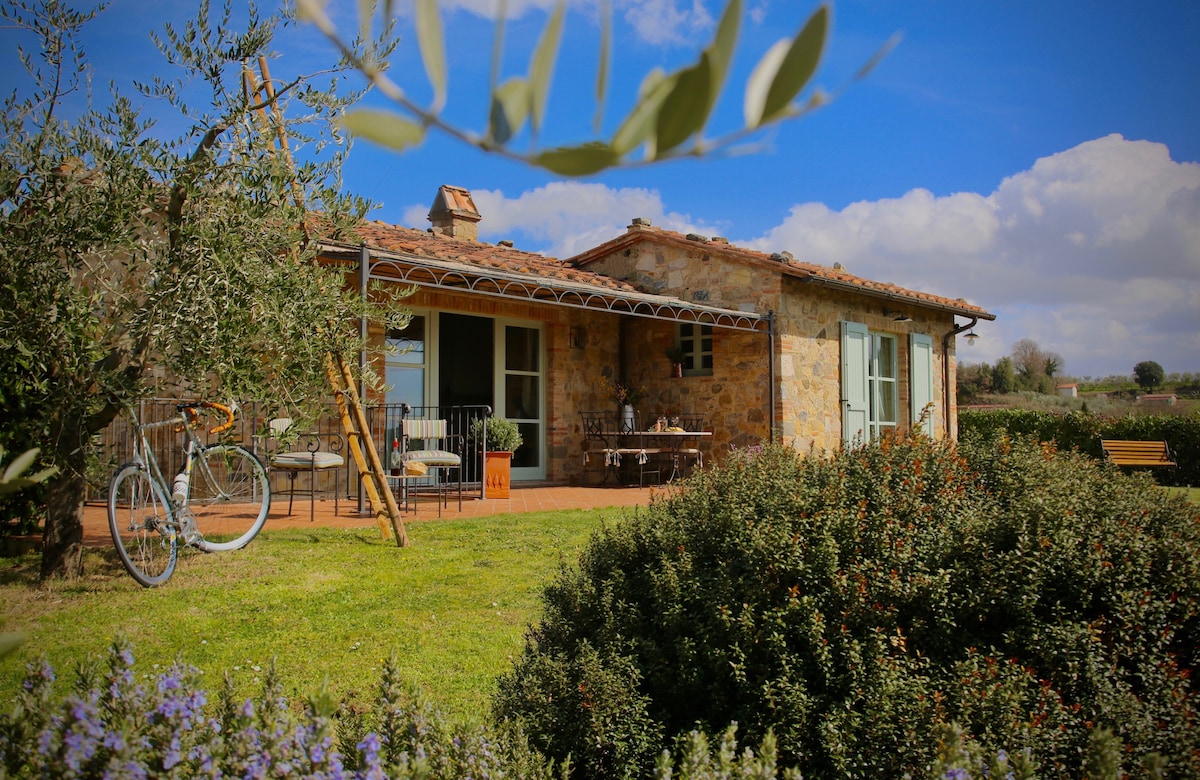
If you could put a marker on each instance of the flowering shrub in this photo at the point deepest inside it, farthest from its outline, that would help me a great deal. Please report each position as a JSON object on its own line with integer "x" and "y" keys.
{"x": 854, "y": 605}
{"x": 113, "y": 725}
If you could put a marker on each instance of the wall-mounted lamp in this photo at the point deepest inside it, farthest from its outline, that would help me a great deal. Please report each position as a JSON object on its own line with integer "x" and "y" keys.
{"x": 971, "y": 336}
{"x": 897, "y": 316}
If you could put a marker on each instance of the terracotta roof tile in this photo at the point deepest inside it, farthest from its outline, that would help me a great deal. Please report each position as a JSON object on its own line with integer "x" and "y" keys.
{"x": 423, "y": 243}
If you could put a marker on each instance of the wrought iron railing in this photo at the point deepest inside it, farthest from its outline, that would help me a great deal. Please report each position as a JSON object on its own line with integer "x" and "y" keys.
{"x": 251, "y": 429}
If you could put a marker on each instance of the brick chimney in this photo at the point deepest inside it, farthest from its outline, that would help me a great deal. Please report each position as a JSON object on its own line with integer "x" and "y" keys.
{"x": 453, "y": 214}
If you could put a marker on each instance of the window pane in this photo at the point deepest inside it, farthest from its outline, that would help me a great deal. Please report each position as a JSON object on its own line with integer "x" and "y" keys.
{"x": 521, "y": 397}
{"x": 408, "y": 343}
{"x": 885, "y": 356}
{"x": 520, "y": 349}
{"x": 526, "y": 455}
{"x": 887, "y": 402}
{"x": 407, "y": 385}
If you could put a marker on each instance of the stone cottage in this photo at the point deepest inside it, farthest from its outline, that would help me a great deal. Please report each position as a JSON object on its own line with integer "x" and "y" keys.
{"x": 767, "y": 346}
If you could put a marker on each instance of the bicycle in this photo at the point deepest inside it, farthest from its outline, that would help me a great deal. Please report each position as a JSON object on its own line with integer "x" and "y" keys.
{"x": 218, "y": 501}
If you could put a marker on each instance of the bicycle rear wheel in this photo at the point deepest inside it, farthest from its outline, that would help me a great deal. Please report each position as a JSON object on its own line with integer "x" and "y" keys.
{"x": 143, "y": 531}
{"x": 230, "y": 497}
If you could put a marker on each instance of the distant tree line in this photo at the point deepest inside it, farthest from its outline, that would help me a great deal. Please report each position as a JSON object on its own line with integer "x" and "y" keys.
{"x": 1031, "y": 369}
{"x": 1028, "y": 368}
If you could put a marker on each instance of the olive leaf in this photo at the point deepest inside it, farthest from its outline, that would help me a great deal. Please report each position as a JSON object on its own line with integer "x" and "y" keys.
{"x": 580, "y": 160}
{"x": 432, "y": 44}
{"x": 541, "y": 65}
{"x": 511, "y": 104}
{"x": 784, "y": 70}
{"x": 384, "y": 128}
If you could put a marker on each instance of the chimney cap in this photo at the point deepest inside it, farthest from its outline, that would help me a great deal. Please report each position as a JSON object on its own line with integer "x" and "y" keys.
{"x": 453, "y": 201}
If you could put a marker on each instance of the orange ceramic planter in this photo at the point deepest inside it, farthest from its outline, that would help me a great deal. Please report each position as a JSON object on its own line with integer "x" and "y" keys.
{"x": 497, "y": 474}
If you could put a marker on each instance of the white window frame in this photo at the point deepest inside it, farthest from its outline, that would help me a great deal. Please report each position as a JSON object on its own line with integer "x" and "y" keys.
{"x": 429, "y": 366}
{"x": 501, "y": 371}
{"x": 866, "y": 378}
{"x": 882, "y": 377}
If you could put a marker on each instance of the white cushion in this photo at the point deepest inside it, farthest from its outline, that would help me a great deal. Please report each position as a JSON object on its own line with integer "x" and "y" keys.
{"x": 307, "y": 460}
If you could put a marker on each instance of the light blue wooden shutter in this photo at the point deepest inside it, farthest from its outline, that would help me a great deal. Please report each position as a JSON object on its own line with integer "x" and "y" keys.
{"x": 920, "y": 377}
{"x": 855, "y": 393}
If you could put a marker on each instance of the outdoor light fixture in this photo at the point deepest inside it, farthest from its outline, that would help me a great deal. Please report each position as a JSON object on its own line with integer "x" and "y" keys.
{"x": 971, "y": 336}
{"x": 897, "y": 316}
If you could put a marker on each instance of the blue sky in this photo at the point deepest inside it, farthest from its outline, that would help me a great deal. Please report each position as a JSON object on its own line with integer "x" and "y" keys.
{"x": 1040, "y": 159}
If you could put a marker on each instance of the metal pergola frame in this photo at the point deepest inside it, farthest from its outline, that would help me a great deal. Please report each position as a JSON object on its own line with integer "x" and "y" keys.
{"x": 404, "y": 268}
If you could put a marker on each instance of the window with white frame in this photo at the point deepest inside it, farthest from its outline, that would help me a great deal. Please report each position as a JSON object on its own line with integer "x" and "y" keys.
{"x": 695, "y": 343}
{"x": 871, "y": 386}
{"x": 883, "y": 396}
{"x": 406, "y": 363}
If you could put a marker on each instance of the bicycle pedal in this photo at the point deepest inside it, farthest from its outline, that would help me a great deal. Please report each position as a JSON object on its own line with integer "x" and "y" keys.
{"x": 188, "y": 530}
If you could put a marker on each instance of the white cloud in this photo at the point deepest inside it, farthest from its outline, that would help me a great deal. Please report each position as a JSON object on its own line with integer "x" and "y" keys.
{"x": 659, "y": 22}
{"x": 1093, "y": 252}
{"x": 566, "y": 217}
{"x": 667, "y": 21}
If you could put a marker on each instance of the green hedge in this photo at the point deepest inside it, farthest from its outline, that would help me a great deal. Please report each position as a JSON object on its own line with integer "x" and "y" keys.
{"x": 857, "y": 606}
{"x": 1083, "y": 431}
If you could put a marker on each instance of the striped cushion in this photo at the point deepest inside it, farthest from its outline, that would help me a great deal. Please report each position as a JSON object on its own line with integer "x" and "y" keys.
{"x": 434, "y": 457}
{"x": 307, "y": 460}
{"x": 424, "y": 429}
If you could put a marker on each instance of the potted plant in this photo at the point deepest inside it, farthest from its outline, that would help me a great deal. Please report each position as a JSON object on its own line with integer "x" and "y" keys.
{"x": 502, "y": 440}
{"x": 675, "y": 355}
{"x": 627, "y": 396}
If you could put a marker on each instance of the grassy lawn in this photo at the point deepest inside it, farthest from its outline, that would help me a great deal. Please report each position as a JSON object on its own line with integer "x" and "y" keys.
{"x": 324, "y": 603}
{"x": 1192, "y": 494}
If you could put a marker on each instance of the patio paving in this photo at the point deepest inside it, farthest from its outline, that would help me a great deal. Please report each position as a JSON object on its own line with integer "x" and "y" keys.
{"x": 522, "y": 499}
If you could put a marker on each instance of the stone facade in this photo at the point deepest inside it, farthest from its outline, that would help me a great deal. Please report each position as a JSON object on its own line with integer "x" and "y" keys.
{"x": 587, "y": 349}
{"x": 808, "y": 408}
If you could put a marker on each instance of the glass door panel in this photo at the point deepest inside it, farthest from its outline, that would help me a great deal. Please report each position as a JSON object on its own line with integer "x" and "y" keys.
{"x": 522, "y": 384}
{"x": 405, "y": 365}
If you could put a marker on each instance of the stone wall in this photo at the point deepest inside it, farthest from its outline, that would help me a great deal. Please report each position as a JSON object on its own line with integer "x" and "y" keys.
{"x": 808, "y": 340}
{"x": 588, "y": 350}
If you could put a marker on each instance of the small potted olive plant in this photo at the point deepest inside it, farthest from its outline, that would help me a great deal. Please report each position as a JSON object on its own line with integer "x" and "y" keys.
{"x": 503, "y": 439}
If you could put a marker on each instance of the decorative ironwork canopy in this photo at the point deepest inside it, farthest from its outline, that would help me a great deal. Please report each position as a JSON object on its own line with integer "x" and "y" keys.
{"x": 514, "y": 285}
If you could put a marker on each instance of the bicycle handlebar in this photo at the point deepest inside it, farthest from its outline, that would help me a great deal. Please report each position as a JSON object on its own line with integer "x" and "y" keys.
{"x": 190, "y": 410}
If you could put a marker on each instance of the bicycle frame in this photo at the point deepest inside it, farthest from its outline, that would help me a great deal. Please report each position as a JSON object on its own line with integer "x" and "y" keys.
{"x": 143, "y": 454}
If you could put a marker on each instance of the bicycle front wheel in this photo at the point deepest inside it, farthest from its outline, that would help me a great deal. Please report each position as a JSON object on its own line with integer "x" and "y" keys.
{"x": 230, "y": 497}
{"x": 139, "y": 518}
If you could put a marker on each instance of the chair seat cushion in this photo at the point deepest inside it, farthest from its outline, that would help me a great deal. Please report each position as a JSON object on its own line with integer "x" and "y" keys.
{"x": 434, "y": 457}
{"x": 307, "y": 460}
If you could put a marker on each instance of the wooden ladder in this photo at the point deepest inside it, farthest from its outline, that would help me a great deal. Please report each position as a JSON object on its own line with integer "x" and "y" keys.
{"x": 362, "y": 449}
{"x": 341, "y": 380}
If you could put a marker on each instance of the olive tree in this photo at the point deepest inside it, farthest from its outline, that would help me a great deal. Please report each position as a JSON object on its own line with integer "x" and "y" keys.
{"x": 132, "y": 262}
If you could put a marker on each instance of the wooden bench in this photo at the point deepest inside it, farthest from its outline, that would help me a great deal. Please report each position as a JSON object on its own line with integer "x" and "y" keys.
{"x": 1137, "y": 453}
